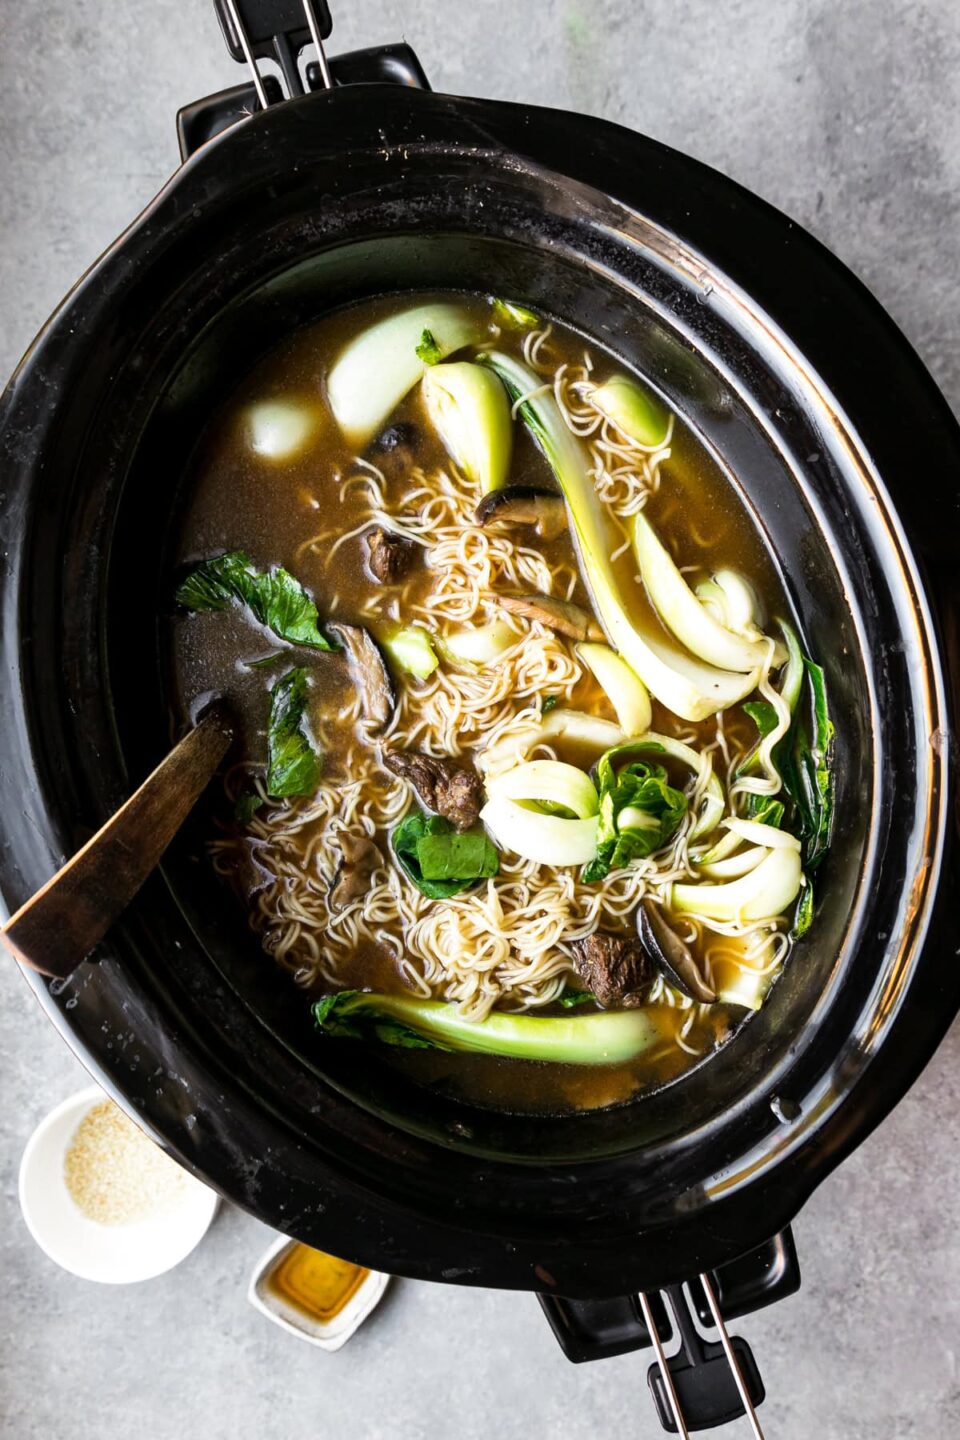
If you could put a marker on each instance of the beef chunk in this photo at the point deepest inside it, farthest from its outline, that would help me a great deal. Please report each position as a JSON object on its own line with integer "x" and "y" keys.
{"x": 389, "y": 556}
{"x": 614, "y": 967}
{"x": 452, "y": 790}
{"x": 361, "y": 857}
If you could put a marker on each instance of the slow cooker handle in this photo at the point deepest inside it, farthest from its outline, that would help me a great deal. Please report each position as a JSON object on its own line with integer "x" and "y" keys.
{"x": 278, "y": 30}
{"x": 708, "y": 1382}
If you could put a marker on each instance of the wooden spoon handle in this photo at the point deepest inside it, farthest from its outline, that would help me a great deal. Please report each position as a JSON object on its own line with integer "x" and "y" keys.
{"x": 56, "y": 929}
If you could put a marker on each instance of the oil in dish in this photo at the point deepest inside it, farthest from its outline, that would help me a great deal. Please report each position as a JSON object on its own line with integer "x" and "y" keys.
{"x": 316, "y": 1284}
{"x": 536, "y": 768}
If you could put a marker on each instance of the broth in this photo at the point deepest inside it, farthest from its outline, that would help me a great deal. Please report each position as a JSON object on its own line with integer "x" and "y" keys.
{"x": 294, "y": 513}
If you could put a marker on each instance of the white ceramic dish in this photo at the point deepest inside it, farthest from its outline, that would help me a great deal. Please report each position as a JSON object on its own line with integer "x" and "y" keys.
{"x": 329, "y": 1334}
{"x": 112, "y": 1254}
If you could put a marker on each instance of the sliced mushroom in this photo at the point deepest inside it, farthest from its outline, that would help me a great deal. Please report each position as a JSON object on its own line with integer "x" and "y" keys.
{"x": 672, "y": 957}
{"x": 361, "y": 857}
{"x": 369, "y": 672}
{"x": 560, "y": 615}
{"x": 452, "y": 790}
{"x": 615, "y": 968}
{"x": 525, "y": 505}
{"x": 389, "y": 556}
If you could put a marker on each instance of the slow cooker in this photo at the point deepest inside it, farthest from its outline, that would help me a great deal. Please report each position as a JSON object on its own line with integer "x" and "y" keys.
{"x": 355, "y": 179}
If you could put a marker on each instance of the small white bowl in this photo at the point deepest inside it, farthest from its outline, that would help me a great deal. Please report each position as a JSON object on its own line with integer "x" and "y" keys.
{"x": 112, "y": 1254}
{"x": 328, "y": 1334}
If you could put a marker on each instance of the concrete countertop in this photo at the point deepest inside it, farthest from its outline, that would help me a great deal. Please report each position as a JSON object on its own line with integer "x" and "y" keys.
{"x": 848, "y": 118}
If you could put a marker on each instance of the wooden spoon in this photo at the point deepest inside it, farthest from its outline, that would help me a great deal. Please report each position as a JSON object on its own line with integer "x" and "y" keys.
{"x": 56, "y": 929}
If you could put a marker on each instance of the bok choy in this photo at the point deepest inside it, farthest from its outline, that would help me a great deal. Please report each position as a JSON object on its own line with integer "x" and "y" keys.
{"x": 294, "y": 767}
{"x": 545, "y": 811}
{"x": 686, "y": 616}
{"x": 470, "y": 412}
{"x": 439, "y": 860}
{"x": 605, "y": 1038}
{"x": 762, "y": 894}
{"x": 274, "y": 597}
{"x": 633, "y": 410}
{"x": 626, "y": 691}
{"x": 278, "y": 429}
{"x": 381, "y": 365}
{"x": 687, "y": 686}
{"x": 639, "y": 810}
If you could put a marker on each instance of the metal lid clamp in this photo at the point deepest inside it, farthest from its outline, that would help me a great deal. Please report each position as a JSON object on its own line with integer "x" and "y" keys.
{"x": 276, "y": 30}
{"x": 279, "y": 31}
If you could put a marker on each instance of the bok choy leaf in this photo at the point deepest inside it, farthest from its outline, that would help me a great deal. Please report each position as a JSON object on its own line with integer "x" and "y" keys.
{"x": 276, "y": 599}
{"x": 294, "y": 767}
{"x": 439, "y": 860}
{"x": 639, "y": 811}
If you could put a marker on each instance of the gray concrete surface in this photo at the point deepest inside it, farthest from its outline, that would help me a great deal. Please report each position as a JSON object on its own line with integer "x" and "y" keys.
{"x": 847, "y": 117}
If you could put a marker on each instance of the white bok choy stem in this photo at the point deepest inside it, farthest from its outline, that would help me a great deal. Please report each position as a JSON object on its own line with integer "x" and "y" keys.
{"x": 278, "y": 429}
{"x": 550, "y": 782}
{"x": 626, "y": 691}
{"x": 686, "y": 616}
{"x": 633, "y": 410}
{"x": 762, "y": 894}
{"x": 481, "y": 645}
{"x": 378, "y": 367}
{"x": 758, "y": 834}
{"x": 545, "y": 839}
{"x": 686, "y": 685}
{"x": 733, "y": 866}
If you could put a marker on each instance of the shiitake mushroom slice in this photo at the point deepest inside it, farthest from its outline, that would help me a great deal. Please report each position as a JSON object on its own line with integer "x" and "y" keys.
{"x": 672, "y": 957}
{"x": 525, "y": 505}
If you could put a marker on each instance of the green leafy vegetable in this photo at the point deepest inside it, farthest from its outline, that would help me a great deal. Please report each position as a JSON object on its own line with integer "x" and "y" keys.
{"x": 332, "y": 1014}
{"x": 465, "y": 856}
{"x": 428, "y": 350}
{"x": 440, "y": 861}
{"x": 275, "y": 597}
{"x": 803, "y": 918}
{"x": 764, "y": 810}
{"x": 550, "y": 702}
{"x": 247, "y": 806}
{"x": 505, "y": 312}
{"x": 607, "y": 1037}
{"x": 639, "y": 810}
{"x": 763, "y": 715}
{"x": 805, "y": 761}
{"x": 293, "y": 766}
{"x": 570, "y": 999}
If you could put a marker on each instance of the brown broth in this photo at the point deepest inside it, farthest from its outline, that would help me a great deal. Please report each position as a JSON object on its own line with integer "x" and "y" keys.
{"x": 237, "y": 500}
